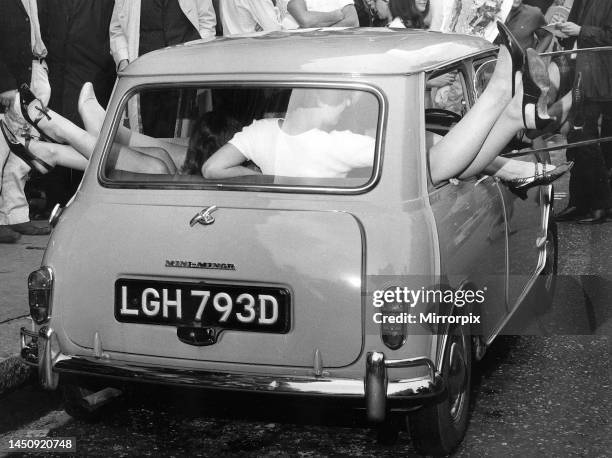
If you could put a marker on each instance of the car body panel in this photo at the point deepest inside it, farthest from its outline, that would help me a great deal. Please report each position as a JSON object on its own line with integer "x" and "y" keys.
{"x": 330, "y": 249}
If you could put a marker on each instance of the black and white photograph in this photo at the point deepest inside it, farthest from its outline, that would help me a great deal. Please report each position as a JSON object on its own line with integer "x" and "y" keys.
{"x": 310, "y": 228}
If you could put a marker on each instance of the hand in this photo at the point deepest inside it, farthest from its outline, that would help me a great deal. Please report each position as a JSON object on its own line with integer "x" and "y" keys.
{"x": 122, "y": 64}
{"x": 569, "y": 28}
{"x": 7, "y": 98}
{"x": 441, "y": 81}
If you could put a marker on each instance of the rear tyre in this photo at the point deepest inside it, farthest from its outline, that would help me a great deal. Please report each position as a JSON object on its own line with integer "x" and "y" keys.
{"x": 437, "y": 429}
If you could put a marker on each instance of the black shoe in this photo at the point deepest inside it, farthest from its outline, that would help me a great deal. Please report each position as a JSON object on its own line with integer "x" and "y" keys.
{"x": 538, "y": 178}
{"x": 26, "y": 98}
{"x": 22, "y": 151}
{"x": 7, "y": 235}
{"x": 514, "y": 48}
{"x": 569, "y": 214}
{"x": 30, "y": 228}
{"x": 595, "y": 217}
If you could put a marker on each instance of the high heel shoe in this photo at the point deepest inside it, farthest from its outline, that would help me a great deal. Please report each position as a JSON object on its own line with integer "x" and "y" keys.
{"x": 539, "y": 178}
{"x": 26, "y": 98}
{"x": 536, "y": 85}
{"x": 22, "y": 151}
{"x": 514, "y": 48}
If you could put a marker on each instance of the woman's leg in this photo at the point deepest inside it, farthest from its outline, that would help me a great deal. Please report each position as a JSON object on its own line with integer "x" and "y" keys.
{"x": 54, "y": 154}
{"x": 84, "y": 142}
{"x": 93, "y": 115}
{"x": 455, "y": 153}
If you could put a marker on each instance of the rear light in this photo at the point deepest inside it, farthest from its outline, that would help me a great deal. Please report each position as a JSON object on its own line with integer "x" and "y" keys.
{"x": 393, "y": 330}
{"x": 40, "y": 285}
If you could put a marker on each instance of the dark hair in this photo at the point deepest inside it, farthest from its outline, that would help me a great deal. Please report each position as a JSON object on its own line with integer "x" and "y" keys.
{"x": 407, "y": 11}
{"x": 210, "y": 132}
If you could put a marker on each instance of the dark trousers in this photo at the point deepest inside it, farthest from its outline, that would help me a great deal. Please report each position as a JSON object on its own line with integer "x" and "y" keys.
{"x": 589, "y": 184}
{"x": 158, "y": 110}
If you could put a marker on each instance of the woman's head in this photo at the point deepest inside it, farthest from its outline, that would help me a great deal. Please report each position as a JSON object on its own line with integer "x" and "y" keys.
{"x": 411, "y": 12}
{"x": 210, "y": 132}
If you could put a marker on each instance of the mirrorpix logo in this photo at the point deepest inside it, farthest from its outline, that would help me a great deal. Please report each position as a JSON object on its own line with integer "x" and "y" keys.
{"x": 200, "y": 265}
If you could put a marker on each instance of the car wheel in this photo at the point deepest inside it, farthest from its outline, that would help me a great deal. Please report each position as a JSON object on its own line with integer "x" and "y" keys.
{"x": 437, "y": 429}
{"x": 547, "y": 280}
{"x": 75, "y": 405}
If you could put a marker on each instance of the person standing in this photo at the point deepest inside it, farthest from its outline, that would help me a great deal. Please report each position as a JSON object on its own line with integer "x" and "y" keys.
{"x": 76, "y": 33}
{"x": 590, "y": 25}
{"x": 141, "y": 26}
{"x": 543, "y": 5}
{"x": 248, "y": 16}
{"x": 21, "y": 53}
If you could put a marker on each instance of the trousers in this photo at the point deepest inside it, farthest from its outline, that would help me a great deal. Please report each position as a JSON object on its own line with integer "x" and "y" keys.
{"x": 14, "y": 207}
{"x": 589, "y": 184}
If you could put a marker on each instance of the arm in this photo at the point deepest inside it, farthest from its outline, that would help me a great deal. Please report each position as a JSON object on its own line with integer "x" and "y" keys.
{"x": 306, "y": 19}
{"x": 207, "y": 20}
{"x": 225, "y": 163}
{"x": 350, "y": 17}
{"x": 264, "y": 13}
{"x": 591, "y": 36}
{"x": 118, "y": 40}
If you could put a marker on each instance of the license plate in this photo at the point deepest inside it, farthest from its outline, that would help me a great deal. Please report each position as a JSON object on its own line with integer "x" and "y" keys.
{"x": 245, "y": 308}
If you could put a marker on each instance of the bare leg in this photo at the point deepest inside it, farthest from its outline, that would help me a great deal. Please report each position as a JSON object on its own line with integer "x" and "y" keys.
{"x": 84, "y": 142}
{"x": 54, "y": 154}
{"x": 456, "y": 152}
{"x": 131, "y": 160}
{"x": 93, "y": 115}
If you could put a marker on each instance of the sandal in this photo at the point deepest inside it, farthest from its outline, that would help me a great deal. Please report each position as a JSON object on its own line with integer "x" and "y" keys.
{"x": 26, "y": 97}
{"x": 22, "y": 151}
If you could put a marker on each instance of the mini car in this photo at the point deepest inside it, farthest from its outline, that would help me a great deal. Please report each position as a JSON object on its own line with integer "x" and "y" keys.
{"x": 340, "y": 273}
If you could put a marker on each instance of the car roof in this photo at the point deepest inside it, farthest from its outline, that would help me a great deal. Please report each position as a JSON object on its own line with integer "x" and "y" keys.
{"x": 367, "y": 51}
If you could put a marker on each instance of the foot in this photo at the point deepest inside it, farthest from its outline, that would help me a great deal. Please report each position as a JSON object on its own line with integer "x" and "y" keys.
{"x": 30, "y": 228}
{"x": 595, "y": 217}
{"x": 43, "y": 121}
{"x": 502, "y": 73}
{"x": 7, "y": 235}
{"x": 570, "y": 213}
{"x": 514, "y": 49}
{"x": 544, "y": 174}
{"x": 20, "y": 147}
{"x": 90, "y": 110}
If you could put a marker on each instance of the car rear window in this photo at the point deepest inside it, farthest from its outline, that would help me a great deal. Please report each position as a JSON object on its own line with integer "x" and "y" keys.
{"x": 245, "y": 136}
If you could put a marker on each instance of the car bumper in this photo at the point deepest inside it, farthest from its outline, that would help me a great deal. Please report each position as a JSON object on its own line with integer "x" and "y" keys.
{"x": 375, "y": 388}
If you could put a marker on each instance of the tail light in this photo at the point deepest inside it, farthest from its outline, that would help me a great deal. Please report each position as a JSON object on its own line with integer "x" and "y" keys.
{"x": 393, "y": 328}
{"x": 40, "y": 286}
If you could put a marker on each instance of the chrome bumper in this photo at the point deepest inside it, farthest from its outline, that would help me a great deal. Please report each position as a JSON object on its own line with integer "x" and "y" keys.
{"x": 376, "y": 388}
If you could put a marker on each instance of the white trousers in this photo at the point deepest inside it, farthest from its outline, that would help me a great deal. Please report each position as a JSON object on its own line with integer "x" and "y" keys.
{"x": 13, "y": 203}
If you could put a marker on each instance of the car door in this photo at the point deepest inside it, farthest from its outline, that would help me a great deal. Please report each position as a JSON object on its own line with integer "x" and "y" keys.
{"x": 469, "y": 214}
{"x": 525, "y": 213}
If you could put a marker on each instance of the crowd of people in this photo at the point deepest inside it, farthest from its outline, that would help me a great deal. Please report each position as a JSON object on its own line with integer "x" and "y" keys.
{"x": 55, "y": 47}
